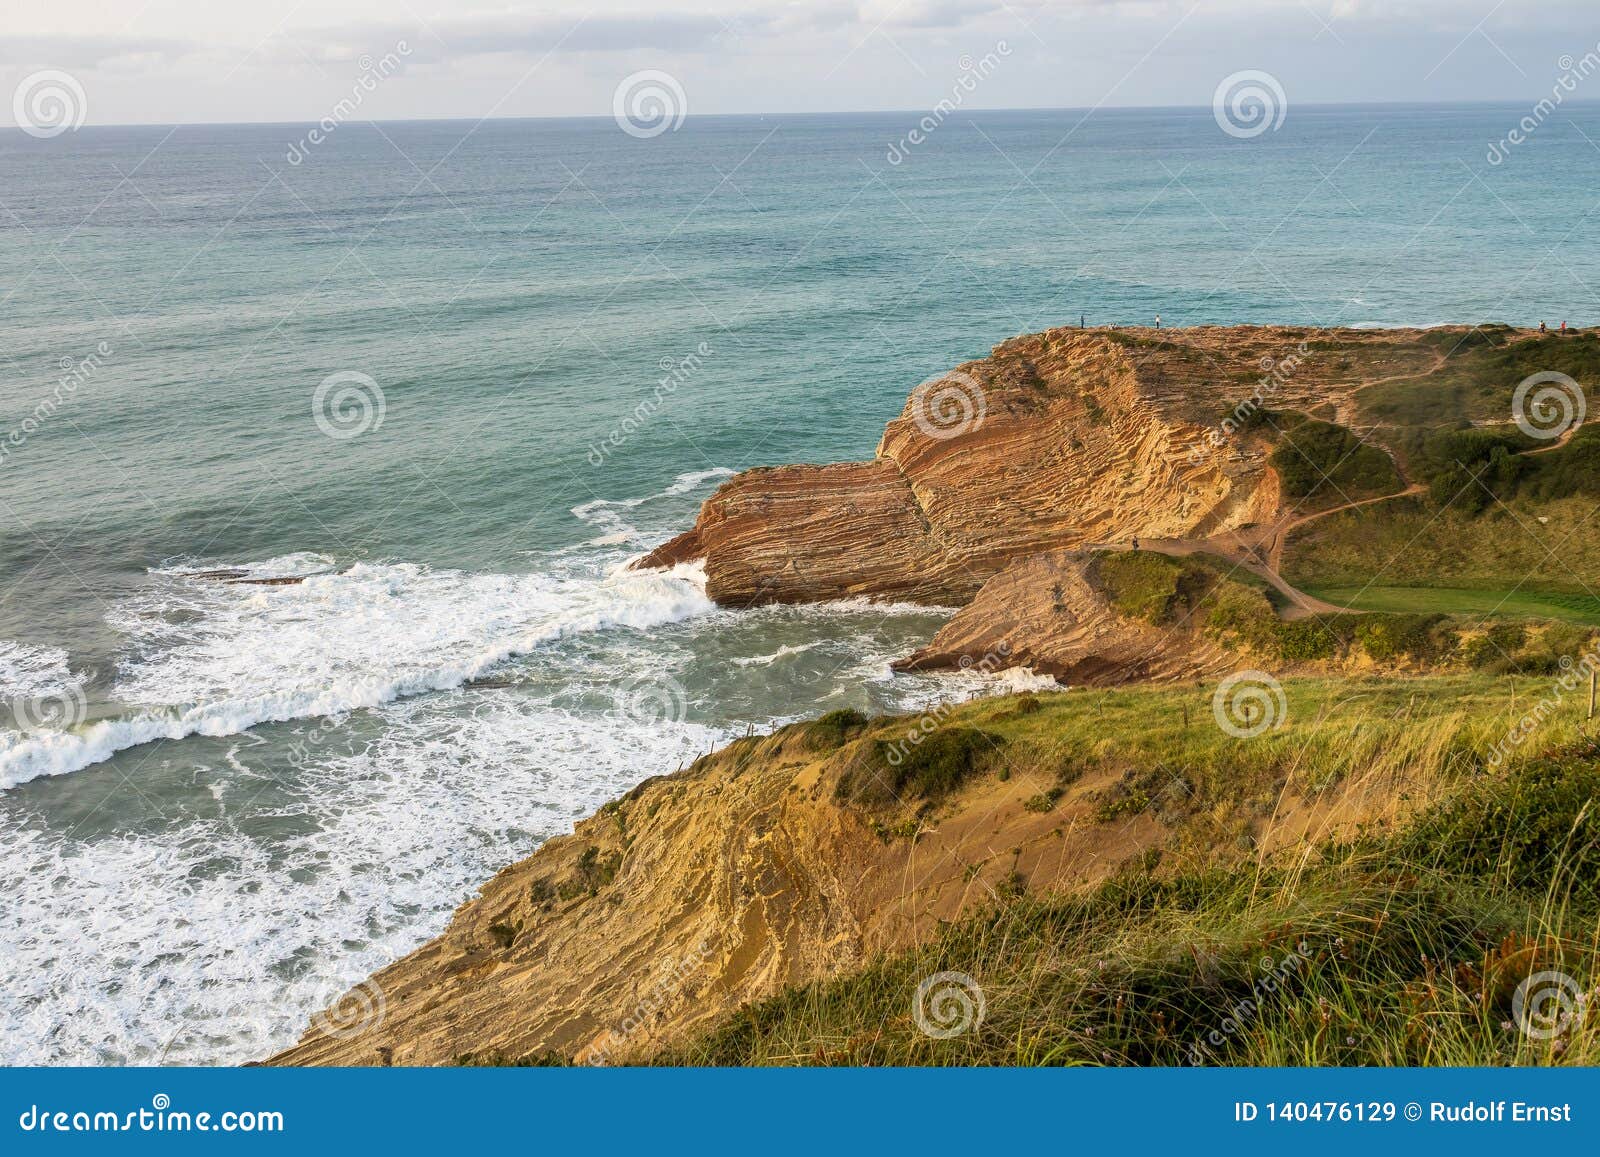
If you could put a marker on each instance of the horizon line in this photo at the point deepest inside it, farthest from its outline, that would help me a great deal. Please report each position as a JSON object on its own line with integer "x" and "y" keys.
{"x": 1086, "y": 110}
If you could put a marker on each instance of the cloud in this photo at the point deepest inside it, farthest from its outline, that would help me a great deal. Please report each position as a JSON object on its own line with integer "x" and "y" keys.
{"x": 91, "y": 52}
{"x": 541, "y": 33}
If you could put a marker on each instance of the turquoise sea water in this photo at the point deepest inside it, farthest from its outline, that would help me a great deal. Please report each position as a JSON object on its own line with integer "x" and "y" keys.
{"x": 265, "y": 792}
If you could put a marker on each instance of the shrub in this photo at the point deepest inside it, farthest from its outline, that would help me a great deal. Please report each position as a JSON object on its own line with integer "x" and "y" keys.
{"x": 1305, "y": 640}
{"x": 1528, "y": 829}
{"x": 1240, "y": 612}
{"x": 1044, "y": 801}
{"x": 594, "y": 872}
{"x": 1494, "y": 649}
{"x": 829, "y": 731}
{"x": 1560, "y": 641}
{"x": 1140, "y": 584}
{"x": 1314, "y": 457}
{"x": 1387, "y": 637}
{"x": 925, "y": 766}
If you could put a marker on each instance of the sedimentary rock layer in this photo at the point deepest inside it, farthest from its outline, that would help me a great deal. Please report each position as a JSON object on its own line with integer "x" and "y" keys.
{"x": 1045, "y": 612}
{"x": 1054, "y": 441}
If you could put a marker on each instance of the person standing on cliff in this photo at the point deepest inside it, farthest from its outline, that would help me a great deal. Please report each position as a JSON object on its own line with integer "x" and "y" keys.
{"x": 1158, "y": 321}
{"x": 1542, "y": 328}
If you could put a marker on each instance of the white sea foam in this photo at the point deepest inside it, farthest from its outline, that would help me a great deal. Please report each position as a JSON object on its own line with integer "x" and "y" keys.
{"x": 31, "y": 672}
{"x": 1014, "y": 680}
{"x": 209, "y": 940}
{"x": 216, "y": 659}
{"x": 601, "y": 513}
{"x": 782, "y": 652}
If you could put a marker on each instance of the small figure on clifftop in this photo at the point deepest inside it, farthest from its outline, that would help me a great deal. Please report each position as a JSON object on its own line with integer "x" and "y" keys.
{"x": 1136, "y": 544}
{"x": 1158, "y": 321}
{"x": 1542, "y": 328}
{"x": 1083, "y": 321}
{"x": 1563, "y": 327}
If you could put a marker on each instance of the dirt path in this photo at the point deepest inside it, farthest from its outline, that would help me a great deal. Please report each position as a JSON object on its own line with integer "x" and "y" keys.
{"x": 1556, "y": 445}
{"x": 1301, "y": 605}
{"x": 1260, "y": 551}
{"x": 1279, "y": 534}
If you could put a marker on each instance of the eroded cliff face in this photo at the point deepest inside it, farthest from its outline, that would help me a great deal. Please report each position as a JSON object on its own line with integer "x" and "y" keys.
{"x": 700, "y": 891}
{"x": 800, "y": 856}
{"x": 1055, "y": 440}
{"x": 1046, "y": 612}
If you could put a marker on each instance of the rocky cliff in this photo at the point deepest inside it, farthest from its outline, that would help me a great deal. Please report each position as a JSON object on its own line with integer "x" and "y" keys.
{"x": 753, "y": 869}
{"x": 1046, "y": 612}
{"x": 1055, "y": 441}
{"x": 804, "y": 855}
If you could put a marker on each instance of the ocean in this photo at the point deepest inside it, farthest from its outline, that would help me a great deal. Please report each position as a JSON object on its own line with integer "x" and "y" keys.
{"x": 458, "y": 374}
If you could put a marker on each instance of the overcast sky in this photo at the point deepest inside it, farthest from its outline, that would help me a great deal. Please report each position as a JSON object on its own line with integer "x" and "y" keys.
{"x": 184, "y": 61}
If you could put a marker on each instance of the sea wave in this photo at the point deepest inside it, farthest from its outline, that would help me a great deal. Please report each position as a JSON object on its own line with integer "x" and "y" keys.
{"x": 206, "y": 942}
{"x": 782, "y": 652}
{"x": 601, "y": 513}
{"x": 212, "y": 658}
{"x": 29, "y": 672}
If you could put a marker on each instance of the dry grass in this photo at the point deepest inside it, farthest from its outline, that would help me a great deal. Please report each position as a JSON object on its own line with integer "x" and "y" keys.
{"x": 1362, "y": 886}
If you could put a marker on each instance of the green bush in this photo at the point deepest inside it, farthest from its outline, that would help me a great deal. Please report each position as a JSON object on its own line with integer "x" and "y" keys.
{"x": 1534, "y": 828}
{"x": 1236, "y": 611}
{"x": 1557, "y": 650}
{"x": 1387, "y": 637}
{"x": 829, "y": 731}
{"x": 1044, "y": 801}
{"x": 1140, "y": 584}
{"x": 924, "y": 765}
{"x": 1573, "y": 469}
{"x": 1495, "y": 649}
{"x": 1305, "y": 640}
{"x": 1321, "y": 459}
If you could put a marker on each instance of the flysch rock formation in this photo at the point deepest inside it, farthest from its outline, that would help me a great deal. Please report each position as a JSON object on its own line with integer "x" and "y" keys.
{"x": 1044, "y": 612}
{"x": 699, "y": 892}
{"x": 1055, "y": 442}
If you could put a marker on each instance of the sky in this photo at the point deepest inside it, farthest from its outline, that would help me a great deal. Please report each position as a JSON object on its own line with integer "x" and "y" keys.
{"x": 197, "y": 61}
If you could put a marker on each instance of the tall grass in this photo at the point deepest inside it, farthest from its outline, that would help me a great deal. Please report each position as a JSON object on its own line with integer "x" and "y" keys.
{"x": 1402, "y": 938}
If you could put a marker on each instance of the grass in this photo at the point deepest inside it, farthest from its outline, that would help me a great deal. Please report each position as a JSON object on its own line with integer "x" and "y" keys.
{"x": 1478, "y": 377}
{"x": 1367, "y": 882}
{"x": 1140, "y": 584}
{"x": 1426, "y": 731}
{"x": 1402, "y": 943}
{"x": 1410, "y": 543}
{"x": 1570, "y": 608}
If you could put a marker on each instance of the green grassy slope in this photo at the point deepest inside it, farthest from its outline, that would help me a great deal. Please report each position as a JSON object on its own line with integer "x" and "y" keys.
{"x": 1404, "y": 942}
{"x": 1583, "y": 609}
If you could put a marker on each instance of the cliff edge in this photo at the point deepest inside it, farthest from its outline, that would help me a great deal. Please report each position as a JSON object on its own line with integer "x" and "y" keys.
{"x": 1056, "y": 441}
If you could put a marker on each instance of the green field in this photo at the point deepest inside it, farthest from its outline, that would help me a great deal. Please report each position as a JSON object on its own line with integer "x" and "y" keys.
{"x": 1583, "y": 609}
